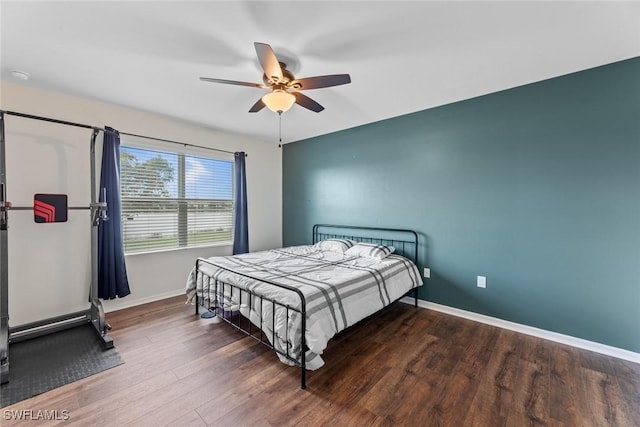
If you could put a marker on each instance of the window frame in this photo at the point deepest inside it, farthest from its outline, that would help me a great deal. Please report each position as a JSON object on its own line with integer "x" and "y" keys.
{"x": 183, "y": 224}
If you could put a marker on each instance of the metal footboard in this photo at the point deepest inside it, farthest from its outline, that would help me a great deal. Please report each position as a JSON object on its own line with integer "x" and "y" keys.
{"x": 247, "y": 297}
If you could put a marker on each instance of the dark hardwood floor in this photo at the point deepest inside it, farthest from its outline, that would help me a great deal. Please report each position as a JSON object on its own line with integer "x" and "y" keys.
{"x": 404, "y": 366}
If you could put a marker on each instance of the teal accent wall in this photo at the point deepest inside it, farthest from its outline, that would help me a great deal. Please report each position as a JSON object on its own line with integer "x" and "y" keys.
{"x": 537, "y": 188}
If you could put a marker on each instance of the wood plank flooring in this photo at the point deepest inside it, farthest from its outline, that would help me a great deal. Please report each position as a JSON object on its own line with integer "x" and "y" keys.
{"x": 404, "y": 366}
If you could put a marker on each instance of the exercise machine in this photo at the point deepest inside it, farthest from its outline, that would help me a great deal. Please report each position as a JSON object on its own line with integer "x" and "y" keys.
{"x": 97, "y": 212}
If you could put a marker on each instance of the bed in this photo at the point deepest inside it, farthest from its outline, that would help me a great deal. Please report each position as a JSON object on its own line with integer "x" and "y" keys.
{"x": 347, "y": 274}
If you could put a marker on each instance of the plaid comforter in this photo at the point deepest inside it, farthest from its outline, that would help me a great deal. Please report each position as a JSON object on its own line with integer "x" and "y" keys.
{"x": 339, "y": 291}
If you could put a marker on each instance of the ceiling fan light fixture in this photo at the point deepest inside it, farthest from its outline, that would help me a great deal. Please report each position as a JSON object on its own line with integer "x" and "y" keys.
{"x": 279, "y": 100}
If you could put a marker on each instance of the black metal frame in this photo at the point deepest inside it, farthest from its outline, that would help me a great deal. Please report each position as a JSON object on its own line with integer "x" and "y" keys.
{"x": 97, "y": 212}
{"x": 407, "y": 247}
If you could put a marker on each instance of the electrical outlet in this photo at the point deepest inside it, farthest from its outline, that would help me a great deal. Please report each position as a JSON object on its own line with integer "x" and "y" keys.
{"x": 427, "y": 273}
{"x": 482, "y": 282}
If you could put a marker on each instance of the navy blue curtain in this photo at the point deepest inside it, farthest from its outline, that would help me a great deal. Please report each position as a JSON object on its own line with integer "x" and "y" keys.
{"x": 112, "y": 273}
{"x": 241, "y": 228}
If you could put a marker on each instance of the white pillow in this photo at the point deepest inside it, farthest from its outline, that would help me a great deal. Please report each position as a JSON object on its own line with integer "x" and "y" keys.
{"x": 370, "y": 250}
{"x": 334, "y": 245}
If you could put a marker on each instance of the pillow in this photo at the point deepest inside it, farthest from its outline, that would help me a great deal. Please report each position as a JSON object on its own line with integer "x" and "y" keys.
{"x": 370, "y": 250}
{"x": 334, "y": 245}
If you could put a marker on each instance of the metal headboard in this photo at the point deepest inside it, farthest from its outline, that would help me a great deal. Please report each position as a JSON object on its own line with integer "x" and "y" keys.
{"x": 404, "y": 241}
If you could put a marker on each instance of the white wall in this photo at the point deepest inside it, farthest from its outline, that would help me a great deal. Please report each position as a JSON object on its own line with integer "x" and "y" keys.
{"x": 49, "y": 264}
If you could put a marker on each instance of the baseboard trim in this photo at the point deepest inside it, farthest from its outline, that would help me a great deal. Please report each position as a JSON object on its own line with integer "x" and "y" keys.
{"x": 122, "y": 304}
{"x": 488, "y": 320}
{"x": 529, "y": 330}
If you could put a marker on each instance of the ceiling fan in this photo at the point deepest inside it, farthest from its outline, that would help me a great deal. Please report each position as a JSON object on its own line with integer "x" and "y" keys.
{"x": 284, "y": 87}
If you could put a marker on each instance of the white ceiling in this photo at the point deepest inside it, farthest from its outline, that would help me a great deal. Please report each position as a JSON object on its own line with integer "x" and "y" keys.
{"x": 402, "y": 56}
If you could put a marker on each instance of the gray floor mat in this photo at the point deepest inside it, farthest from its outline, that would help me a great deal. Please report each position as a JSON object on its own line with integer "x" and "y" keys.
{"x": 44, "y": 363}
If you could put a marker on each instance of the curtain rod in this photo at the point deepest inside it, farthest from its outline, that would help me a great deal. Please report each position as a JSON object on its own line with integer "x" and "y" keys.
{"x": 176, "y": 142}
{"x": 80, "y": 125}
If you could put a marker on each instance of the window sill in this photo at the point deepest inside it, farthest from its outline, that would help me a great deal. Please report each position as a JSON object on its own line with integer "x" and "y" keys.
{"x": 186, "y": 248}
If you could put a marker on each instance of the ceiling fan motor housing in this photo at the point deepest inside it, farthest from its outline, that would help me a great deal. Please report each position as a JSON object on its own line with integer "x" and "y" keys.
{"x": 277, "y": 83}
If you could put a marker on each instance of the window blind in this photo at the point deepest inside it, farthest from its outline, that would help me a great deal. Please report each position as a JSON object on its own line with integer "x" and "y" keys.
{"x": 174, "y": 200}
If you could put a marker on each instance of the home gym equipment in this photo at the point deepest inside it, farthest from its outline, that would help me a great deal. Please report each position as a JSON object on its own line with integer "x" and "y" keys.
{"x": 49, "y": 208}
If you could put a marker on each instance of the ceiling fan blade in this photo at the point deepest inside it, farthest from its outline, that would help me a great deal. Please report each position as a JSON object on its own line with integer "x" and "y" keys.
{"x": 233, "y": 82}
{"x": 269, "y": 61}
{"x": 257, "y": 106}
{"x": 306, "y": 102}
{"x": 321, "y": 81}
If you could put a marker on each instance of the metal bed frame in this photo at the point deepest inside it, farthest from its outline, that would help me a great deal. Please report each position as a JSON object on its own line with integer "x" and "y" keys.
{"x": 406, "y": 246}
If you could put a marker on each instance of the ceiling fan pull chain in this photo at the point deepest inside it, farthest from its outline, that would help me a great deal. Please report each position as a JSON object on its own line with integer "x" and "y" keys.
{"x": 280, "y": 128}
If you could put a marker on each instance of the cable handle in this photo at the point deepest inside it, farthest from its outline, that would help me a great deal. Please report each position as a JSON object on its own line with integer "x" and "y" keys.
{"x": 4, "y": 207}
{"x": 103, "y": 205}
{"x": 99, "y": 209}
{"x": 3, "y": 196}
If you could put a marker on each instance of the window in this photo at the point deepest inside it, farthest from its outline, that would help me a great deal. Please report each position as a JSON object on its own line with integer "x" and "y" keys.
{"x": 174, "y": 200}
